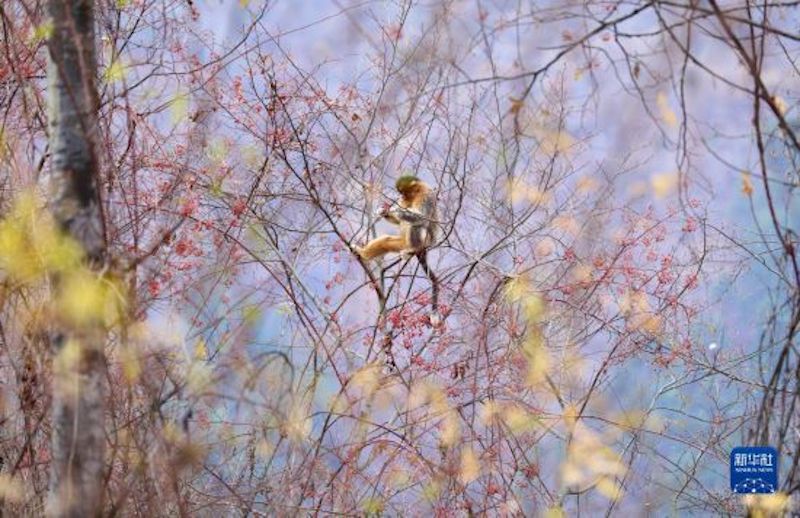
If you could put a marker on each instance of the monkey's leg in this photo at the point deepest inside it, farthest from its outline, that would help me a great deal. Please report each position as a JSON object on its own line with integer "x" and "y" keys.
{"x": 383, "y": 245}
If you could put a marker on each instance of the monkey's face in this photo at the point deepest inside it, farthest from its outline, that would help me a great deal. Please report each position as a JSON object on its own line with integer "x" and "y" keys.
{"x": 413, "y": 190}
{"x": 409, "y": 190}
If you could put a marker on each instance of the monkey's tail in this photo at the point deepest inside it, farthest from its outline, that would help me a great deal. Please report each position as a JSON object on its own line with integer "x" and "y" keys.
{"x": 422, "y": 257}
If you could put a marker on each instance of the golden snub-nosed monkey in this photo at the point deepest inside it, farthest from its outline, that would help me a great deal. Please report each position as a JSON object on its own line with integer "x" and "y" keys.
{"x": 415, "y": 214}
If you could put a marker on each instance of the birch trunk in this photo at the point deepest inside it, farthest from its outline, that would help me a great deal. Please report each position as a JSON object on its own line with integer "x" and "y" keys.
{"x": 77, "y": 481}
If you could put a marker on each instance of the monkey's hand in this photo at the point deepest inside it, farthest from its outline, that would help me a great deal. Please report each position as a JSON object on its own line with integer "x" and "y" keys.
{"x": 384, "y": 210}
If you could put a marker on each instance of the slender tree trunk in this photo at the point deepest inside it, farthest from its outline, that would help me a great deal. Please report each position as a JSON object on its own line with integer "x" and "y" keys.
{"x": 79, "y": 387}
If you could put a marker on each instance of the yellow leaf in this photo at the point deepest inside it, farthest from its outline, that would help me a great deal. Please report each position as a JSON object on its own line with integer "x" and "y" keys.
{"x": 66, "y": 365}
{"x": 538, "y": 365}
{"x": 646, "y": 321}
{"x": 367, "y": 378}
{"x": 384, "y": 399}
{"x": 517, "y": 420}
{"x": 200, "y": 350}
{"x": 767, "y": 505}
{"x": 420, "y": 393}
{"x": 31, "y": 245}
{"x": 373, "y": 506}
{"x": 544, "y": 248}
{"x": 780, "y": 104}
{"x": 252, "y": 156}
{"x": 567, "y": 224}
{"x": 570, "y": 415}
{"x": 571, "y": 475}
{"x": 516, "y": 288}
{"x": 172, "y": 433}
{"x": 198, "y": 378}
{"x": 11, "y": 489}
{"x": 215, "y": 189}
{"x": 431, "y": 491}
{"x": 587, "y": 184}
{"x": 84, "y": 298}
{"x": 603, "y": 460}
{"x": 517, "y": 190}
{"x": 534, "y": 307}
{"x": 632, "y": 419}
{"x": 399, "y": 477}
{"x": 450, "y": 430}
{"x": 263, "y": 449}
{"x": 487, "y": 412}
{"x": 69, "y": 356}
{"x": 115, "y": 72}
{"x": 555, "y": 512}
{"x": 131, "y": 368}
{"x": 338, "y": 404}
{"x": 470, "y": 468}
{"x": 251, "y": 315}
{"x": 667, "y": 115}
{"x": 582, "y": 273}
{"x": 634, "y": 302}
{"x": 217, "y": 150}
{"x": 551, "y": 141}
{"x": 42, "y": 32}
{"x": 297, "y": 426}
{"x": 653, "y": 324}
{"x": 608, "y": 488}
{"x": 664, "y": 183}
{"x": 537, "y": 196}
{"x": 179, "y": 108}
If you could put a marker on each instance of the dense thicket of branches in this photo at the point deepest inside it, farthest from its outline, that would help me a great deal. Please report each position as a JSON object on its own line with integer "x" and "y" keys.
{"x": 617, "y": 261}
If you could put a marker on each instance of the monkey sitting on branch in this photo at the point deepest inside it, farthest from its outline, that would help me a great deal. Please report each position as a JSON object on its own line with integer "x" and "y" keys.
{"x": 415, "y": 214}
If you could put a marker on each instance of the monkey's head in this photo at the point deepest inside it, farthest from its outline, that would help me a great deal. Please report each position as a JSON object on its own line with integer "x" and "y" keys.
{"x": 409, "y": 185}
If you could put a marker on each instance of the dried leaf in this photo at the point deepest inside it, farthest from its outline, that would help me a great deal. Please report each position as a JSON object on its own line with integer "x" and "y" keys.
{"x": 747, "y": 184}
{"x": 516, "y": 105}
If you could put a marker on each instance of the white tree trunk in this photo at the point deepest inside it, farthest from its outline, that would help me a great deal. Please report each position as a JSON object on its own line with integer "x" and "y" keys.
{"x": 77, "y": 481}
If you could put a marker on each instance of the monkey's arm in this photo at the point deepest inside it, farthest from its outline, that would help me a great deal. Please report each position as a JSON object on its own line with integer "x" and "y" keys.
{"x": 406, "y": 215}
{"x": 391, "y": 217}
{"x": 422, "y": 211}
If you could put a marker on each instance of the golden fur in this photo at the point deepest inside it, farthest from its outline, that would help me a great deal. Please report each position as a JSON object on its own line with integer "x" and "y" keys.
{"x": 416, "y": 218}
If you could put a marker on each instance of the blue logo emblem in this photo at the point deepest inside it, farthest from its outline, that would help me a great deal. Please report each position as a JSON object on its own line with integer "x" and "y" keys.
{"x": 754, "y": 469}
